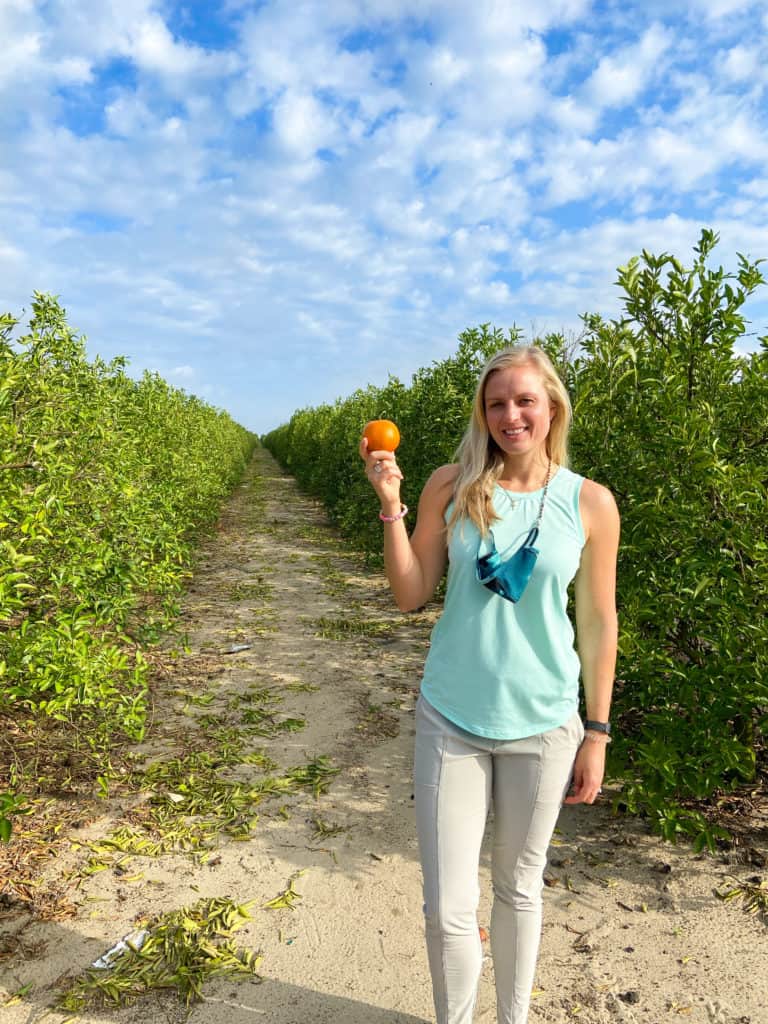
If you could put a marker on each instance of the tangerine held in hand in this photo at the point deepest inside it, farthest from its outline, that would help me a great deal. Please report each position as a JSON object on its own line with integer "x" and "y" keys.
{"x": 382, "y": 436}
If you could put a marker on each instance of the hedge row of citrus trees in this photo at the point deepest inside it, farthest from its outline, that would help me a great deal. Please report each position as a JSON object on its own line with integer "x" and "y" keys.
{"x": 105, "y": 481}
{"x": 674, "y": 420}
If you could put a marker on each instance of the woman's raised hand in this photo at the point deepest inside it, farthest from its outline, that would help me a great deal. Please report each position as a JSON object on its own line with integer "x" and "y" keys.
{"x": 385, "y": 475}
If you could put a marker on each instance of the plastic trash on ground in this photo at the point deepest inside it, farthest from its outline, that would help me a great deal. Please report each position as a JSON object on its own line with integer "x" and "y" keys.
{"x": 134, "y": 940}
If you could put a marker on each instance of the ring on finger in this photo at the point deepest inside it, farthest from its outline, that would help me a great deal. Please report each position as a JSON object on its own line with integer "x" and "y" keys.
{"x": 378, "y": 467}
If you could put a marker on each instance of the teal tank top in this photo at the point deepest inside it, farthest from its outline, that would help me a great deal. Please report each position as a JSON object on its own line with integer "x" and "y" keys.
{"x": 505, "y": 670}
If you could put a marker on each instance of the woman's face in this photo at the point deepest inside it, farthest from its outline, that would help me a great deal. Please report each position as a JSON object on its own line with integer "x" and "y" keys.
{"x": 518, "y": 410}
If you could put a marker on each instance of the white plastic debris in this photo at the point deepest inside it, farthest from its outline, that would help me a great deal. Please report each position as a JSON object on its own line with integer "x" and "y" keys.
{"x": 134, "y": 940}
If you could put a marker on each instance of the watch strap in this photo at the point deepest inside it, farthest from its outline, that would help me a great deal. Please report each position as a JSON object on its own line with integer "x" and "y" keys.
{"x": 598, "y": 727}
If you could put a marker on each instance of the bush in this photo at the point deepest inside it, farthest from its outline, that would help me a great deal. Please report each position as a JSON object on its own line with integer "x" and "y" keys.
{"x": 675, "y": 422}
{"x": 106, "y": 481}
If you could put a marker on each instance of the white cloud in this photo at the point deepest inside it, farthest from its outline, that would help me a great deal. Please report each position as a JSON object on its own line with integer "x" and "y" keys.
{"x": 601, "y": 247}
{"x": 319, "y": 329}
{"x": 715, "y": 10}
{"x": 403, "y": 140}
{"x": 573, "y": 116}
{"x": 489, "y": 20}
{"x": 303, "y": 125}
{"x": 446, "y": 69}
{"x": 297, "y": 48}
{"x": 620, "y": 77}
{"x": 742, "y": 63}
{"x": 65, "y": 41}
{"x": 73, "y": 71}
{"x": 128, "y": 115}
{"x": 185, "y": 372}
{"x": 758, "y": 187}
{"x": 152, "y": 46}
{"x": 491, "y": 293}
{"x": 501, "y": 84}
{"x": 408, "y": 218}
{"x": 680, "y": 157}
{"x": 21, "y": 32}
{"x": 9, "y": 254}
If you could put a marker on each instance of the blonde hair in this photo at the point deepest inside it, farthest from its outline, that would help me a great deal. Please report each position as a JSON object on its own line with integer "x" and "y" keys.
{"x": 480, "y": 461}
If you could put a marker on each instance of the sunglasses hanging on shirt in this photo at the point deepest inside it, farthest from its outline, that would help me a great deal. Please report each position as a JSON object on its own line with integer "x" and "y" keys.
{"x": 509, "y": 577}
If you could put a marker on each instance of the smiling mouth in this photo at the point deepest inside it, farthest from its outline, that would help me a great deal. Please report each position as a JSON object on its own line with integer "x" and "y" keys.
{"x": 514, "y": 433}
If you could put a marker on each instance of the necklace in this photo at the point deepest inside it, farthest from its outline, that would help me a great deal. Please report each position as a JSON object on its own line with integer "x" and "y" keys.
{"x": 544, "y": 495}
{"x": 514, "y": 502}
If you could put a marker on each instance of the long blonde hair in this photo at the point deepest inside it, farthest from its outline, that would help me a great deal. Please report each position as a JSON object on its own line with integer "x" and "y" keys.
{"x": 480, "y": 461}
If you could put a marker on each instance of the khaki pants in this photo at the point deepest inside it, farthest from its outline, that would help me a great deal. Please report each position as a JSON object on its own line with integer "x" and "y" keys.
{"x": 456, "y": 776}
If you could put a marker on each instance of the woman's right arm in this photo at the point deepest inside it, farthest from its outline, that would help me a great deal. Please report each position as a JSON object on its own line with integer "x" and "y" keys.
{"x": 414, "y": 565}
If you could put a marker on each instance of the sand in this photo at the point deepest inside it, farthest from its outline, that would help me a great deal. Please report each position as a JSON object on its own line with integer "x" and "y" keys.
{"x": 633, "y": 929}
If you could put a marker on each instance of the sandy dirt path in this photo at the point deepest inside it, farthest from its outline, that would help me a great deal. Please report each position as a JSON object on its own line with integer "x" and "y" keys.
{"x": 633, "y": 932}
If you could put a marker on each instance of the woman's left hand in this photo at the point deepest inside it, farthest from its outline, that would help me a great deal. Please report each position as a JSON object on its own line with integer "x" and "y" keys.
{"x": 588, "y": 771}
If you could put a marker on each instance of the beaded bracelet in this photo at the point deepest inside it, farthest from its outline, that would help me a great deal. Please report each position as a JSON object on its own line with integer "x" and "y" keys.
{"x": 393, "y": 519}
{"x": 597, "y": 737}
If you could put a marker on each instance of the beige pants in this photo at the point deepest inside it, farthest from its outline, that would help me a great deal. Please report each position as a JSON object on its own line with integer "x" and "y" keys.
{"x": 456, "y": 776}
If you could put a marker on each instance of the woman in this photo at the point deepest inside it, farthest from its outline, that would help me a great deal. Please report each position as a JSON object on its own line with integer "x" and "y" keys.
{"x": 497, "y": 718}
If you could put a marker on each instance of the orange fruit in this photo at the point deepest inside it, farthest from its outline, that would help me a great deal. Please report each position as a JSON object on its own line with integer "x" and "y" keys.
{"x": 382, "y": 436}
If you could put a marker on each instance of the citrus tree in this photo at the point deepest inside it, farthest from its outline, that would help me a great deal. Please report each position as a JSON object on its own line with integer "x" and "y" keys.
{"x": 674, "y": 420}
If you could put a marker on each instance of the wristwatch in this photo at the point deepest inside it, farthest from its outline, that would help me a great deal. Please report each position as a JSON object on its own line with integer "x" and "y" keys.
{"x": 598, "y": 727}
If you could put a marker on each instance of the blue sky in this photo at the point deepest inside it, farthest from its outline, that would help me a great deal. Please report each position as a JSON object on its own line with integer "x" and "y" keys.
{"x": 274, "y": 203}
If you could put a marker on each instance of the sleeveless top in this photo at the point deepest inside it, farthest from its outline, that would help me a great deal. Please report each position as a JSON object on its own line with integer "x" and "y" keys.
{"x": 504, "y": 670}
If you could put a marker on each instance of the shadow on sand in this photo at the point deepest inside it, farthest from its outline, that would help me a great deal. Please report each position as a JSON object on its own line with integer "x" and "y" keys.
{"x": 226, "y": 1000}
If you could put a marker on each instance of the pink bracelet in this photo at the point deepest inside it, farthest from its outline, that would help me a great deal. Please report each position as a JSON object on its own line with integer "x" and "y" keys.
{"x": 393, "y": 519}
